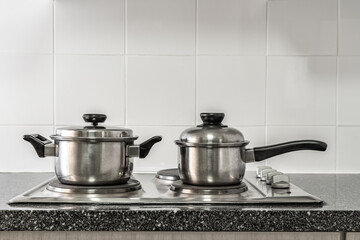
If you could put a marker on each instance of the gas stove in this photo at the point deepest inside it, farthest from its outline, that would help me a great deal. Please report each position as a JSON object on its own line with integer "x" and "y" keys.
{"x": 165, "y": 188}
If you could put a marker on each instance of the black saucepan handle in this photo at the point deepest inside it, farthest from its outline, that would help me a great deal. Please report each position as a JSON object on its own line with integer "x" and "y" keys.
{"x": 147, "y": 145}
{"x": 261, "y": 153}
{"x": 38, "y": 143}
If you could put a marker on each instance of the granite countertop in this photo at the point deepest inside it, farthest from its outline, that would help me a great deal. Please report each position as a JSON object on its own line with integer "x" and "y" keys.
{"x": 340, "y": 211}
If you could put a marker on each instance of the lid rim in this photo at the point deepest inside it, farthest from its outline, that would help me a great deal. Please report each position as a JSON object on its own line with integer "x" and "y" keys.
{"x": 211, "y": 145}
{"x": 99, "y": 139}
{"x": 92, "y": 133}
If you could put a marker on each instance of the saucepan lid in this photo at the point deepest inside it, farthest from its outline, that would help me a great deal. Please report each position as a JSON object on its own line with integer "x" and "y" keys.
{"x": 212, "y": 133}
{"x": 94, "y": 131}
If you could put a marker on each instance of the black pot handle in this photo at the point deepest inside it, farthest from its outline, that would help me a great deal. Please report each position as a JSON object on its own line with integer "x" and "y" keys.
{"x": 38, "y": 142}
{"x": 147, "y": 145}
{"x": 261, "y": 153}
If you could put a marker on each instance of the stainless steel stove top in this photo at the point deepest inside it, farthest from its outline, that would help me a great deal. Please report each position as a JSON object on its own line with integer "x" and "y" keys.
{"x": 154, "y": 191}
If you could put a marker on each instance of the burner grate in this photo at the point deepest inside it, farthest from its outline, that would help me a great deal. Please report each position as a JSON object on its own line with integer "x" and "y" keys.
{"x": 171, "y": 174}
{"x": 180, "y": 187}
{"x": 130, "y": 186}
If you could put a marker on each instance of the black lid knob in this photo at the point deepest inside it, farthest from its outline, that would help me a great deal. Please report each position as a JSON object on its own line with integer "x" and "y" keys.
{"x": 94, "y": 118}
{"x": 212, "y": 119}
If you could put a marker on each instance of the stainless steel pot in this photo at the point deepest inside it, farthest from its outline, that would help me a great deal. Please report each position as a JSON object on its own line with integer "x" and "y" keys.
{"x": 214, "y": 154}
{"x": 92, "y": 155}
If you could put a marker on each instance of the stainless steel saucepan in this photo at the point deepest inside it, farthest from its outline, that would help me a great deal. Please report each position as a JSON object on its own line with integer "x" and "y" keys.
{"x": 214, "y": 154}
{"x": 92, "y": 155}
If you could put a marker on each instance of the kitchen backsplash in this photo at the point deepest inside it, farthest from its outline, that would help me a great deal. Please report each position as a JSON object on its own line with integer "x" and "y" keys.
{"x": 279, "y": 69}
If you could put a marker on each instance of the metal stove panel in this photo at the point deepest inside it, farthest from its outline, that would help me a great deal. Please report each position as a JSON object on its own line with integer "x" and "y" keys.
{"x": 154, "y": 193}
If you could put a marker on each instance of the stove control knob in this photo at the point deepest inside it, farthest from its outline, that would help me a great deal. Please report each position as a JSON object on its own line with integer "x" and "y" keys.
{"x": 280, "y": 181}
{"x": 259, "y": 169}
{"x": 264, "y": 173}
{"x": 270, "y": 175}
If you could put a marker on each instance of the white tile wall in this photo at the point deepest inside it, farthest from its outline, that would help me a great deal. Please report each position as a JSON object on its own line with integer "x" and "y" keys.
{"x": 161, "y": 27}
{"x": 349, "y": 86}
{"x": 232, "y": 27}
{"x": 160, "y": 90}
{"x": 26, "y": 92}
{"x": 89, "y": 26}
{"x": 302, "y": 27}
{"x": 301, "y": 91}
{"x": 349, "y": 31}
{"x": 272, "y": 66}
{"x": 234, "y": 85}
{"x": 86, "y": 83}
{"x": 26, "y": 26}
{"x": 163, "y": 154}
{"x": 20, "y": 156}
{"x": 348, "y": 140}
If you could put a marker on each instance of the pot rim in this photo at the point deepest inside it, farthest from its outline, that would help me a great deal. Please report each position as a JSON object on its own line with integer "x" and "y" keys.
{"x": 92, "y": 139}
{"x": 211, "y": 145}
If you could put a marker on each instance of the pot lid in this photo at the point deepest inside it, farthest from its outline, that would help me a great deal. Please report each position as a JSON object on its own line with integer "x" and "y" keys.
{"x": 94, "y": 132}
{"x": 212, "y": 132}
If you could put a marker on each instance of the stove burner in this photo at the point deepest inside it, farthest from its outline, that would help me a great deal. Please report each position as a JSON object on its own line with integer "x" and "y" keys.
{"x": 131, "y": 185}
{"x": 180, "y": 187}
{"x": 171, "y": 174}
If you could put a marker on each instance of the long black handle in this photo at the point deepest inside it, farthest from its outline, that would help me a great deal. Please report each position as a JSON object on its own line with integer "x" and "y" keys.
{"x": 261, "y": 153}
{"x": 147, "y": 145}
{"x": 38, "y": 143}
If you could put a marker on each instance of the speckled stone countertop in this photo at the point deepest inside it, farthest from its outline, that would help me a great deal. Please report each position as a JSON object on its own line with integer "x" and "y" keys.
{"x": 340, "y": 212}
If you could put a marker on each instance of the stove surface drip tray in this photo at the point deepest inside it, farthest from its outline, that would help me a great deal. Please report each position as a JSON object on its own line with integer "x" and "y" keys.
{"x": 146, "y": 189}
{"x": 56, "y": 186}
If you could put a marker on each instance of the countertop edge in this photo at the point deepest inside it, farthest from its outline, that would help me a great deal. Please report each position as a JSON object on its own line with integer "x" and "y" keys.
{"x": 178, "y": 220}
{"x": 340, "y": 212}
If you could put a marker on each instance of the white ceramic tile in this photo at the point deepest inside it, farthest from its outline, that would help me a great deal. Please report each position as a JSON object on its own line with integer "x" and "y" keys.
{"x": 26, "y": 26}
{"x": 164, "y": 154}
{"x": 305, "y": 27}
{"x": 26, "y": 92}
{"x": 303, "y": 161}
{"x": 231, "y": 27}
{"x": 89, "y": 26}
{"x": 89, "y": 84}
{"x": 18, "y": 155}
{"x": 161, "y": 90}
{"x": 256, "y": 136}
{"x": 233, "y": 85}
{"x": 348, "y": 93}
{"x": 349, "y": 31}
{"x": 161, "y": 27}
{"x": 347, "y": 157}
{"x": 301, "y": 91}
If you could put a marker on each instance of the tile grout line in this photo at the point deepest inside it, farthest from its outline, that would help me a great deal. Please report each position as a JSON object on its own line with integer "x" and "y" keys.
{"x": 186, "y": 125}
{"x": 337, "y": 89}
{"x": 266, "y": 71}
{"x": 337, "y": 96}
{"x": 196, "y": 57}
{"x": 125, "y": 63}
{"x": 336, "y": 114}
{"x": 53, "y": 72}
{"x": 180, "y": 55}
{"x": 25, "y": 54}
